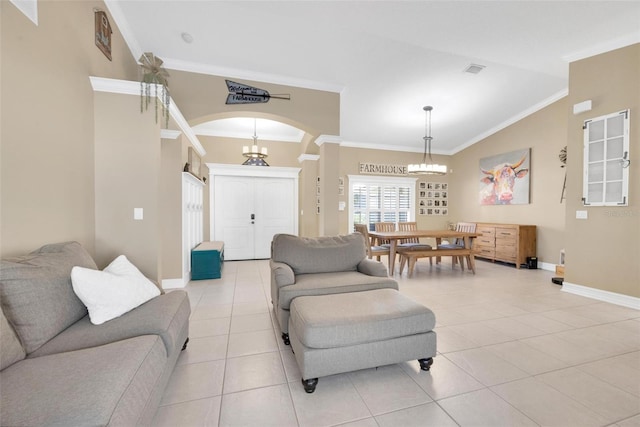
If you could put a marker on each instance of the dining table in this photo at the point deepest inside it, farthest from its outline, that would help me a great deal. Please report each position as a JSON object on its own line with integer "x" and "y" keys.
{"x": 393, "y": 237}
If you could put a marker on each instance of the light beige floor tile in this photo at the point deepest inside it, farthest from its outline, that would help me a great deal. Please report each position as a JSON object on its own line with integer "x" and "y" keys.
{"x": 202, "y": 412}
{"x": 444, "y": 379}
{"x": 248, "y": 294}
{"x": 246, "y": 308}
{"x": 525, "y": 357}
{"x": 570, "y": 318}
{"x": 604, "y": 346}
{"x": 541, "y": 322}
{"x": 449, "y": 341}
{"x": 291, "y": 368}
{"x": 194, "y": 381}
{"x": 248, "y": 343}
{"x": 267, "y": 406}
{"x": 211, "y": 311}
{"x": 621, "y": 371}
{"x": 603, "y": 398}
{"x": 204, "y": 350}
{"x": 247, "y": 372}
{"x": 209, "y": 327}
{"x": 335, "y": 401}
{"x": 251, "y": 323}
{"x": 547, "y": 406}
{"x": 367, "y": 422}
{"x": 429, "y": 414}
{"x": 387, "y": 389}
{"x": 567, "y": 351}
{"x": 480, "y": 333}
{"x": 485, "y": 366}
{"x": 483, "y": 408}
{"x": 512, "y": 328}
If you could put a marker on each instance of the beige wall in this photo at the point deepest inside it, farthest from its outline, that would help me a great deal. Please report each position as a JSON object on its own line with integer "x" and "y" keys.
{"x": 170, "y": 210}
{"x": 127, "y": 176}
{"x": 603, "y": 251}
{"x": 350, "y": 159}
{"x": 47, "y": 151}
{"x": 545, "y": 133}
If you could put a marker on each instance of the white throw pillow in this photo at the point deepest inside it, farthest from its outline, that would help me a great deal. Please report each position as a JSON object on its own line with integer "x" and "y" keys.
{"x": 110, "y": 293}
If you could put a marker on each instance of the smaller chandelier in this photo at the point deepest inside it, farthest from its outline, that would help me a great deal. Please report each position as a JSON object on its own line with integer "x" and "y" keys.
{"x": 255, "y": 155}
{"x": 425, "y": 168}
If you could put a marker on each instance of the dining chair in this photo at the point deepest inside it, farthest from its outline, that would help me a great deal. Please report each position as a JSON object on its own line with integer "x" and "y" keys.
{"x": 384, "y": 226}
{"x": 411, "y": 243}
{"x": 372, "y": 250}
{"x": 458, "y": 243}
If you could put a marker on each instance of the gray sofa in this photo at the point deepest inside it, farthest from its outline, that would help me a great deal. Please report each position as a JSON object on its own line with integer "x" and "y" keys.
{"x": 303, "y": 266}
{"x": 59, "y": 369}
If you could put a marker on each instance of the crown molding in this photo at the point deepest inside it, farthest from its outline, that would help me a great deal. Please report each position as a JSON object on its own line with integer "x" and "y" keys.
{"x": 125, "y": 29}
{"x": 604, "y": 47}
{"x": 533, "y": 109}
{"x": 127, "y": 87}
{"x": 169, "y": 134}
{"x": 311, "y": 157}
{"x": 328, "y": 139}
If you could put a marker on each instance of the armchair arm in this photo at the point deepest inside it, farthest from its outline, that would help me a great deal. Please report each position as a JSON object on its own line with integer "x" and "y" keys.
{"x": 371, "y": 267}
{"x": 281, "y": 274}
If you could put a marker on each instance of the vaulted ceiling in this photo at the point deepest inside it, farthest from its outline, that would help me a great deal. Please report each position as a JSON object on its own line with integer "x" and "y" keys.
{"x": 388, "y": 59}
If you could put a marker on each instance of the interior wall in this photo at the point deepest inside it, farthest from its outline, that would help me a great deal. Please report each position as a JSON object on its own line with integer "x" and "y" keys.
{"x": 350, "y": 159}
{"x": 603, "y": 250}
{"x": 127, "y": 176}
{"x": 46, "y": 127}
{"x": 545, "y": 133}
{"x": 170, "y": 199}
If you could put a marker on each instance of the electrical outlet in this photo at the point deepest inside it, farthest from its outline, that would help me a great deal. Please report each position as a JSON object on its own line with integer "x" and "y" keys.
{"x": 138, "y": 214}
{"x": 582, "y": 215}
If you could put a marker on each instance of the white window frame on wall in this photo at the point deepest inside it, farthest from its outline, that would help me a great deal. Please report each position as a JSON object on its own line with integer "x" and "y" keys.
{"x": 383, "y": 181}
{"x": 606, "y": 164}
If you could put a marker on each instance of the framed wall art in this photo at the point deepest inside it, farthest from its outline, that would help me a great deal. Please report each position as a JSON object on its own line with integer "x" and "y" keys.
{"x": 433, "y": 198}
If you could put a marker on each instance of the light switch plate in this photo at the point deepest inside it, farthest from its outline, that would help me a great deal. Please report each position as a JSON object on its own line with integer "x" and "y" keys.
{"x": 138, "y": 213}
{"x": 582, "y": 215}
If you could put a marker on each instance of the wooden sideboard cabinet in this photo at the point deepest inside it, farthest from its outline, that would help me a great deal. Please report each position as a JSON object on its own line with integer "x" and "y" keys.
{"x": 511, "y": 243}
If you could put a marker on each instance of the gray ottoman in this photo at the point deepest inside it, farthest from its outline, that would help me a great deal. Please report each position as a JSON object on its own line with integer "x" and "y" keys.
{"x": 345, "y": 332}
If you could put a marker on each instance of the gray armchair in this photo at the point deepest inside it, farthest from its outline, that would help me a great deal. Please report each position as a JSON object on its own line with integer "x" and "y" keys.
{"x": 302, "y": 266}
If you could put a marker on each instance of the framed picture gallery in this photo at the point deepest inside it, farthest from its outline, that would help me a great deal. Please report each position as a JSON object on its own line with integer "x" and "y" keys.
{"x": 433, "y": 198}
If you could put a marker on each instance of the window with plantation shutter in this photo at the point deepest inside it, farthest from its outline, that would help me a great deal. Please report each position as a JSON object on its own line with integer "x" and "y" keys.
{"x": 380, "y": 199}
{"x": 606, "y": 160}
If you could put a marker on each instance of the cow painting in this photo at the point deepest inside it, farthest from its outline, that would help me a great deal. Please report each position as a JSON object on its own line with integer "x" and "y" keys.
{"x": 506, "y": 180}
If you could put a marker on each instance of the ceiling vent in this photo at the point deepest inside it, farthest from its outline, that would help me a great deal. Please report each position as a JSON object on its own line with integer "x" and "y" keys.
{"x": 474, "y": 68}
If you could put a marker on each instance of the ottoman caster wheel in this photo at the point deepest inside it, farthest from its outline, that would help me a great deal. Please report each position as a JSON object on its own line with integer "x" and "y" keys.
{"x": 285, "y": 338}
{"x": 425, "y": 364}
{"x": 310, "y": 384}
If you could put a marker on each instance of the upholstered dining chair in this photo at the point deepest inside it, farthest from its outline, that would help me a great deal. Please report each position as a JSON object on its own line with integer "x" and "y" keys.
{"x": 458, "y": 243}
{"x": 410, "y": 244}
{"x": 372, "y": 250}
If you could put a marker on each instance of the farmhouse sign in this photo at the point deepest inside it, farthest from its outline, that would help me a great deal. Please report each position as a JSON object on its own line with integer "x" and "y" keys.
{"x": 382, "y": 169}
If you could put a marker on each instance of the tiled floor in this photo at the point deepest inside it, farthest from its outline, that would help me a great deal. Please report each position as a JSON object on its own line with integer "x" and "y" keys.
{"x": 512, "y": 350}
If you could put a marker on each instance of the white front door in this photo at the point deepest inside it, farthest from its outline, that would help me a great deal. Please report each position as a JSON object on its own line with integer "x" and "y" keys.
{"x": 248, "y": 211}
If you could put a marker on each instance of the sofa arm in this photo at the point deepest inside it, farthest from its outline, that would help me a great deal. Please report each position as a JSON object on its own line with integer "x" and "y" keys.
{"x": 372, "y": 268}
{"x": 282, "y": 274}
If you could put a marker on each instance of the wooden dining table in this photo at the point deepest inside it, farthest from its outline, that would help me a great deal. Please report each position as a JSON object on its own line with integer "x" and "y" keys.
{"x": 394, "y": 236}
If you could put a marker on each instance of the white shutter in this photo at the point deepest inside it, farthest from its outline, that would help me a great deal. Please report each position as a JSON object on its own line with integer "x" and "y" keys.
{"x": 606, "y": 160}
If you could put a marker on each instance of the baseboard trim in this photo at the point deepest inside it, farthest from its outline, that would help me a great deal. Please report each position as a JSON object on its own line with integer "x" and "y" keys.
{"x": 600, "y": 295}
{"x": 547, "y": 266}
{"x": 173, "y": 284}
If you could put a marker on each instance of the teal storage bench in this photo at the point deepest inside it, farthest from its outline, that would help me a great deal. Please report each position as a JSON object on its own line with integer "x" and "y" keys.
{"x": 206, "y": 260}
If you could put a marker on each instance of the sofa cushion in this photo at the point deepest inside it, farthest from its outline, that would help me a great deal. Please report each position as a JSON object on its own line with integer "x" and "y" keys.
{"x": 36, "y": 292}
{"x": 319, "y": 255}
{"x": 10, "y": 349}
{"x": 110, "y": 293}
{"x": 332, "y": 283}
{"x": 331, "y": 321}
{"x": 166, "y": 316}
{"x": 94, "y": 386}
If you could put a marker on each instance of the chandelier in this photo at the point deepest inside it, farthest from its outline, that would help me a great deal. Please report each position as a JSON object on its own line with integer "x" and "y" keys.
{"x": 425, "y": 168}
{"x": 255, "y": 156}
